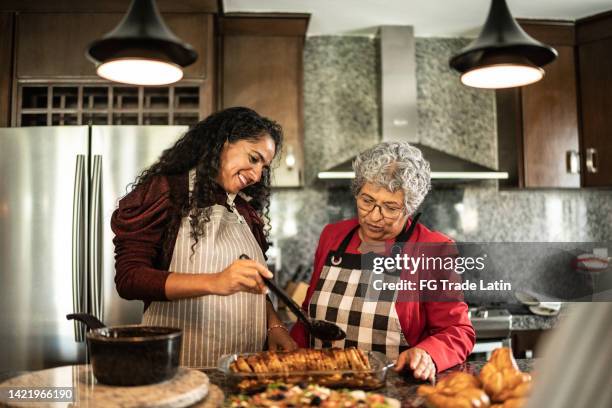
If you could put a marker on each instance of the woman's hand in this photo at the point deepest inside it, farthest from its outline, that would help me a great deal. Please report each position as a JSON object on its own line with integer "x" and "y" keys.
{"x": 419, "y": 361}
{"x": 279, "y": 339}
{"x": 243, "y": 275}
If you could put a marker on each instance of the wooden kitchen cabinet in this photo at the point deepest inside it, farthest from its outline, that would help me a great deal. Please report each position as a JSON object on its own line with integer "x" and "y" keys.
{"x": 50, "y": 52}
{"x": 52, "y": 45}
{"x": 594, "y": 37}
{"x": 558, "y": 132}
{"x": 6, "y": 67}
{"x": 538, "y": 125}
{"x": 261, "y": 68}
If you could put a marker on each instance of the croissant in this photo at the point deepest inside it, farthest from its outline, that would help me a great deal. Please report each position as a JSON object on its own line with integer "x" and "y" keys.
{"x": 501, "y": 378}
{"x": 456, "y": 390}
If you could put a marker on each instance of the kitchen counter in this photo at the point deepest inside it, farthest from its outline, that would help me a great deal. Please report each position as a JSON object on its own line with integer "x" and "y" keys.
{"x": 400, "y": 386}
{"x": 534, "y": 322}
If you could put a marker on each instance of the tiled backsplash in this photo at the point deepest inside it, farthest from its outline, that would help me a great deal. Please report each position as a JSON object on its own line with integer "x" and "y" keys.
{"x": 341, "y": 110}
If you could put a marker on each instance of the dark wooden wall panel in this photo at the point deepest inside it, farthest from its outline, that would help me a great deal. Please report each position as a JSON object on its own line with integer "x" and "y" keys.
{"x": 65, "y": 37}
{"x": 53, "y": 45}
{"x": 550, "y": 32}
{"x": 106, "y": 6}
{"x": 594, "y": 28}
{"x": 6, "y": 67}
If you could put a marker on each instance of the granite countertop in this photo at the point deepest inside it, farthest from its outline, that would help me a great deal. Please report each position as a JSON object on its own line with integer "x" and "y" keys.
{"x": 533, "y": 322}
{"x": 400, "y": 386}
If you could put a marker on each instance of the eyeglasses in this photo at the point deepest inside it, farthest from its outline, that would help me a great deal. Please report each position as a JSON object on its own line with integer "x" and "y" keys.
{"x": 368, "y": 205}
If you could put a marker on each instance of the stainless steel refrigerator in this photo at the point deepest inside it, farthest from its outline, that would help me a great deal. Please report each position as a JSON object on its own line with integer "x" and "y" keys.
{"x": 58, "y": 189}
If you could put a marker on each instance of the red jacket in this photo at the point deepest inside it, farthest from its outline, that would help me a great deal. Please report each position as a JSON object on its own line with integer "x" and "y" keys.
{"x": 443, "y": 329}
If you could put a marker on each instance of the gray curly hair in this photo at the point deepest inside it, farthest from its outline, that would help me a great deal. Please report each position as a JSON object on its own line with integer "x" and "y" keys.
{"x": 394, "y": 166}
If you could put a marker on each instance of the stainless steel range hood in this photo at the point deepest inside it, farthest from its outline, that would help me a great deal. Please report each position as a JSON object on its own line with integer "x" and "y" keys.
{"x": 399, "y": 112}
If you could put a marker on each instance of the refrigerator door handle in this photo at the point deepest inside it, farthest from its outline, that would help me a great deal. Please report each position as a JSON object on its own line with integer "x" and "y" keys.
{"x": 77, "y": 245}
{"x": 95, "y": 239}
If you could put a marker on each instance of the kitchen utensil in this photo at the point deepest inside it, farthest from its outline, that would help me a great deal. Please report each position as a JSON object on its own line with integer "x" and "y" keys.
{"x": 321, "y": 329}
{"x": 526, "y": 298}
{"x": 546, "y": 309}
{"x": 131, "y": 354}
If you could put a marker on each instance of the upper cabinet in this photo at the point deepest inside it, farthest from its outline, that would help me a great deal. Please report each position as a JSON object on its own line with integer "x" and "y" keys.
{"x": 261, "y": 67}
{"x": 7, "y": 21}
{"x": 54, "y": 83}
{"x": 556, "y": 133}
{"x": 594, "y": 38}
{"x": 538, "y": 124}
{"x": 53, "y": 45}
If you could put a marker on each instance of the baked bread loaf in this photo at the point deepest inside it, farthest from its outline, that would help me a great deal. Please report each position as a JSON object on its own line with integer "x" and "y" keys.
{"x": 302, "y": 360}
{"x": 501, "y": 378}
{"x": 456, "y": 390}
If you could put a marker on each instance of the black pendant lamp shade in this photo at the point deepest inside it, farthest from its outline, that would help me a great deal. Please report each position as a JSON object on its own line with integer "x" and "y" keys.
{"x": 141, "y": 49}
{"x": 503, "y": 55}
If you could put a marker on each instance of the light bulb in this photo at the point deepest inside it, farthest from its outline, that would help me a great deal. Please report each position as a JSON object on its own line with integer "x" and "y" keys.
{"x": 502, "y": 76}
{"x": 140, "y": 71}
{"x": 290, "y": 158}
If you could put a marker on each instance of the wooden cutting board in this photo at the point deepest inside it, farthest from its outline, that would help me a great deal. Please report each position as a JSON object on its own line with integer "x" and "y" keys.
{"x": 186, "y": 388}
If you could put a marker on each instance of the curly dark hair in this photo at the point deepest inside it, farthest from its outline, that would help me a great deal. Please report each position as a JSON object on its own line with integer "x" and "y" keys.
{"x": 200, "y": 148}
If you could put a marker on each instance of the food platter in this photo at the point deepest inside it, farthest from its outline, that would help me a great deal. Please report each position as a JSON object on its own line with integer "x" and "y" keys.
{"x": 335, "y": 368}
{"x": 281, "y": 396}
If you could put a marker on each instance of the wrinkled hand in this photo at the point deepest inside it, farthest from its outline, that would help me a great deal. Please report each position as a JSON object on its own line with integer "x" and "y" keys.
{"x": 279, "y": 339}
{"x": 243, "y": 275}
{"x": 419, "y": 361}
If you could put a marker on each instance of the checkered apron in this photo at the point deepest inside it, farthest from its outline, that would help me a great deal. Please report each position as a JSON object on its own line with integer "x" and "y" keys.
{"x": 344, "y": 295}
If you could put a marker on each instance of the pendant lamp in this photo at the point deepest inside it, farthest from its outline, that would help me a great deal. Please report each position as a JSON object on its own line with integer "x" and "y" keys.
{"x": 503, "y": 55}
{"x": 141, "y": 50}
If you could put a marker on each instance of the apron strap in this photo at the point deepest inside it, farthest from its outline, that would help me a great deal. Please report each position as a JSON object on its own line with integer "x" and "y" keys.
{"x": 346, "y": 241}
{"x": 397, "y": 247}
{"x": 337, "y": 260}
{"x": 404, "y": 236}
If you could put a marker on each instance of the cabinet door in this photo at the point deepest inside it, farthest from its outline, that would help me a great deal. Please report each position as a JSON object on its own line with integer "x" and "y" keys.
{"x": 53, "y": 45}
{"x": 550, "y": 125}
{"x": 6, "y": 66}
{"x": 596, "y": 100}
{"x": 265, "y": 73}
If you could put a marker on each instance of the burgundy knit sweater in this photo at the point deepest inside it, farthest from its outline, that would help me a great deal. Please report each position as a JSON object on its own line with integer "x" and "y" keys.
{"x": 143, "y": 244}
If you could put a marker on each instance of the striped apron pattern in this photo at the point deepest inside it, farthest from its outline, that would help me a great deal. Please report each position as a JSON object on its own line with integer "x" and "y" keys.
{"x": 213, "y": 325}
{"x": 344, "y": 295}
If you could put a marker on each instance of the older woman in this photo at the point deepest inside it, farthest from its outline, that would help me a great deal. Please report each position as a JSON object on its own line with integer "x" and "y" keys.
{"x": 391, "y": 181}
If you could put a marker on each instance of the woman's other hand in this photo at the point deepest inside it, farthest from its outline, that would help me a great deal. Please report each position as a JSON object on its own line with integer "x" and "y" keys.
{"x": 419, "y": 361}
{"x": 280, "y": 340}
{"x": 243, "y": 275}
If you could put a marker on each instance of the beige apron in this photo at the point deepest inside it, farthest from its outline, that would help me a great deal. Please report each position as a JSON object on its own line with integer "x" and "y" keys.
{"x": 214, "y": 325}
